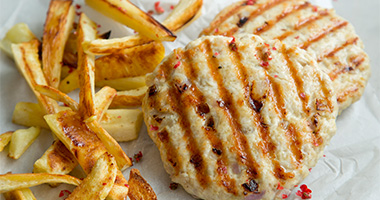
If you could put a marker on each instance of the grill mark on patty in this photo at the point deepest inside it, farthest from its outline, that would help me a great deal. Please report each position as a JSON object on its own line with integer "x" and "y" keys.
{"x": 340, "y": 69}
{"x": 337, "y": 49}
{"x": 341, "y": 97}
{"x": 226, "y": 103}
{"x": 191, "y": 72}
{"x": 267, "y": 145}
{"x": 268, "y": 25}
{"x": 304, "y": 23}
{"x": 336, "y": 26}
{"x": 260, "y": 10}
{"x": 215, "y": 24}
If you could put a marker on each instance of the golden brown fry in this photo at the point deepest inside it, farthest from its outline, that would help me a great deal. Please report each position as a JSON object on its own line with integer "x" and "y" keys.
{"x": 123, "y": 124}
{"x": 98, "y": 182}
{"x": 5, "y": 138}
{"x": 129, "y": 98}
{"x": 21, "y": 194}
{"x": 18, "y": 33}
{"x": 26, "y": 57}
{"x": 70, "y": 54}
{"x": 86, "y": 32}
{"x": 135, "y": 61}
{"x": 9, "y": 182}
{"x": 70, "y": 83}
{"x": 111, "y": 145}
{"x": 130, "y": 15}
{"x": 58, "y": 25}
{"x": 128, "y": 83}
{"x": 183, "y": 15}
{"x": 103, "y": 99}
{"x": 83, "y": 143}
{"x": 57, "y": 95}
{"x": 139, "y": 187}
{"x": 21, "y": 140}
{"x": 57, "y": 159}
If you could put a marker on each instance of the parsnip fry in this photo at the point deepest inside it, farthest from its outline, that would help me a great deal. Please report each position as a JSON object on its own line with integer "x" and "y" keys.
{"x": 139, "y": 187}
{"x": 103, "y": 99}
{"x": 26, "y": 57}
{"x": 57, "y": 159}
{"x": 135, "y": 61}
{"x": 70, "y": 83}
{"x": 83, "y": 143}
{"x": 86, "y": 33}
{"x": 99, "y": 181}
{"x": 58, "y": 24}
{"x": 21, "y": 194}
{"x": 129, "y": 98}
{"x": 183, "y": 14}
{"x": 128, "y": 83}
{"x": 111, "y": 145}
{"x": 21, "y": 140}
{"x": 123, "y": 124}
{"x": 9, "y": 182}
{"x": 5, "y": 138}
{"x": 18, "y": 33}
{"x": 57, "y": 95}
{"x": 128, "y": 14}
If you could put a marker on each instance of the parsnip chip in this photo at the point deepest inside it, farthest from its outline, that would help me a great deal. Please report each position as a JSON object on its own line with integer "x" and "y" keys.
{"x": 128, "y": 14}
{"x": 21, "y": 194}
{"x": 128, "y": 83}
{"x": 18, "y": 33}
{"x": 183, "y": 14}
{"x": 58, "y": 24}
{"x": 123, "y": 124}
{"x": 129, "y": 98}
{"x": 57, "y": 159}
{"x": 103, "y": 99}
{"x": 70, "y": 83}
{"x": 111, "y": 145}
{"x": 98, "y": 182}
{"x": 5, "y": 138}
{"x": 9, "y": 182}
{"x": 57, "y": 95}
{"x": 83, "y": 143}
{"x": 135, "y": 61}
{"x": 21, "y": 140}
{"x": 26, "y": 57}
{"x": 139, "y": 187}
{"x": 86, "y": 33}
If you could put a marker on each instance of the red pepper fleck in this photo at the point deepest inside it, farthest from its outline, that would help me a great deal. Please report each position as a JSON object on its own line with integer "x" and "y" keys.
{"x": 216, "y": 54}
{"x": 104, "y": 184}
{"x": 297, "y": 37}
{"x": 279, "y": 187}
{"x": 98, "y": 25}
{"x": 126, "y": 185}
{"x": 138, "y": 156}
{"x": 316, "y": 144}
{"x": 275, "y": 76}
{"x": 153, "y": 128}
{"x": 216, "y": 30}
{"x": 264, "y": 64}
{"x": 304, "y": 193}
{"x": 158, "y": 8}
{"x": 171, "y": 7}
{"x": 302, "y": 95}
{"x": 266, "y": 44}
{"x": 309, "y": 169}
{"x": 324, "y": 155}
{"x": 64, "y": 104}
{"x": 284, "y": 196}
{"x": 78, "y": 6}
{"x": 251, "y": 2}
{"x": 295, "y": 185}
{"x": 315, "y": 8}
{"x": 78, "y": 13}
{"x": 119, "y": 116}
{"x": 177, "y": 65}
{"x": 274, "y": 48}
{"x": 270, "y": 58}
{"x": 232, "y": 44}
{"x": 62, "y": 193}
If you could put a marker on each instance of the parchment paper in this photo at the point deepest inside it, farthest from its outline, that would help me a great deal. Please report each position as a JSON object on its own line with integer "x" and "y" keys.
{"x": 350, "y": 169}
